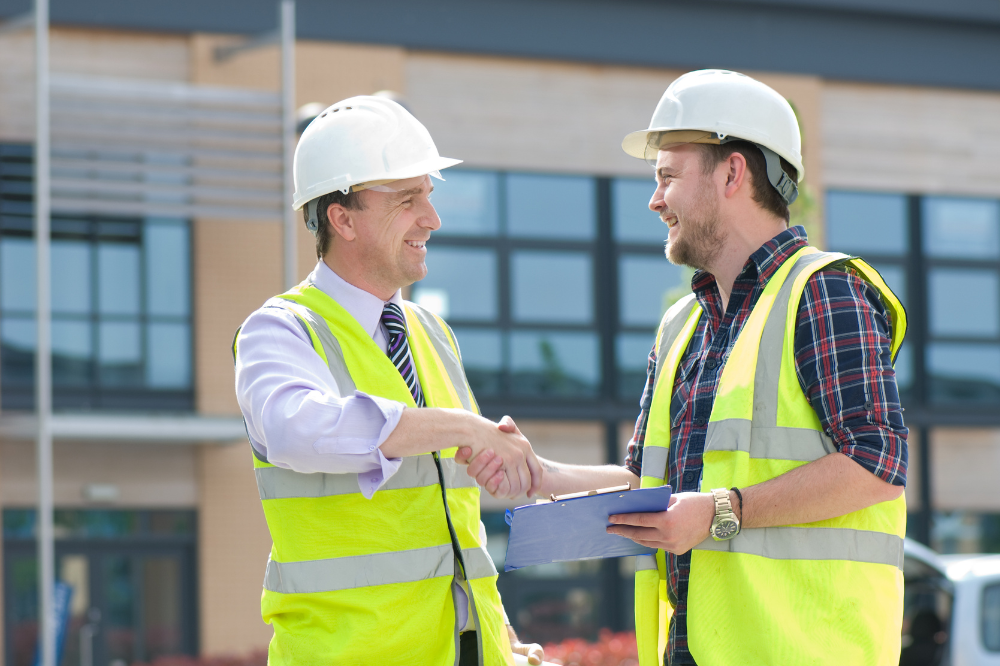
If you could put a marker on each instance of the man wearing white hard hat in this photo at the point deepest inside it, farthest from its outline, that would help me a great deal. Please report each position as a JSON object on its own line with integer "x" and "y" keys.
{"x": 771, "y": 408}
{"x": 355, "y": 401}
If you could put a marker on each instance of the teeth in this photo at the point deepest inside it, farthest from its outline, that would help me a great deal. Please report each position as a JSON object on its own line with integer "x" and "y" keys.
{"x": 417, "y": 244}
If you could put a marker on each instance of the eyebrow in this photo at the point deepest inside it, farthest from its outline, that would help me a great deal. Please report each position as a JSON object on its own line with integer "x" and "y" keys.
{"x": 402, "y": 194}
{"x": 663, "y": 172}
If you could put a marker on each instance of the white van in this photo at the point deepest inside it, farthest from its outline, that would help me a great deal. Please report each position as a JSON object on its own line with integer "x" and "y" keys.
{"x": 951, "y": 614}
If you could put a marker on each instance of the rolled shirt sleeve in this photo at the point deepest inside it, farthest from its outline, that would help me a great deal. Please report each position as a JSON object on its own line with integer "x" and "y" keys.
{"x": 844, "y": 365}
{"x": 294, "y": 413}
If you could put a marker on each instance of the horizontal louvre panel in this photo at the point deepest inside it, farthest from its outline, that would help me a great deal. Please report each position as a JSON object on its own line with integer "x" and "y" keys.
{"x": 146, "y": 148}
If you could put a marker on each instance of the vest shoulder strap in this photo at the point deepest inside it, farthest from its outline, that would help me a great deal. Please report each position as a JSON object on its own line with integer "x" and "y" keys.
{"x": 670, "y": 327}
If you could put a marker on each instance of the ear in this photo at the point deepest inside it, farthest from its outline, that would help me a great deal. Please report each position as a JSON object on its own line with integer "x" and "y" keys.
{"x": 341, "y": 222}
{"x": 736, "y": 174}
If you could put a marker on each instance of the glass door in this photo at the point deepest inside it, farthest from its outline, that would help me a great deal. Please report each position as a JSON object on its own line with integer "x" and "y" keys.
{"x": 130, "y": 604}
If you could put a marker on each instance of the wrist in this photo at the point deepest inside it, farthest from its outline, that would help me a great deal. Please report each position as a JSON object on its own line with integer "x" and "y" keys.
{"x": 736, "y": 501}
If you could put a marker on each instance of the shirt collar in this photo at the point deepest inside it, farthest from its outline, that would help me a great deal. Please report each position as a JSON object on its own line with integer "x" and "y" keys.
{"x": 762, "y": 264}
{"x": 360, "y": 304}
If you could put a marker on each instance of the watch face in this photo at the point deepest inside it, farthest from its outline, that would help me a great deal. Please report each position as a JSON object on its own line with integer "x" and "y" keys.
{"x": 725, "y": 529}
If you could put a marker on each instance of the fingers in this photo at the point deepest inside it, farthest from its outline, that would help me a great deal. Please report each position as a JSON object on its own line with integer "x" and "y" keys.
{"x": 533, "y": 651}
{"x": 637, "y": 519}
{"x": 524, "y": 478}
{"x": 463, "y": 455}
{"x": 492, "y": 484}
{"x": 502, "y": 486}
{"x": 480, "y": 462}
{"x": 637, "y": 534}
{"x": 490, "y": 470}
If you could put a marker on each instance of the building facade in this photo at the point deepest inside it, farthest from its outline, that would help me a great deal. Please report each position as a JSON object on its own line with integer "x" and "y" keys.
{"x": 548, "y": 264}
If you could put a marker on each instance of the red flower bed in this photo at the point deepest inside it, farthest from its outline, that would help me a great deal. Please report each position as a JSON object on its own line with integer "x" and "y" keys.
{"x": 611, "y": 649}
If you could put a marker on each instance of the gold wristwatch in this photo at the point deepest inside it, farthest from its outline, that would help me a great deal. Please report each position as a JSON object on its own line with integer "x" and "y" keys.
{"x": 725, "y": 524}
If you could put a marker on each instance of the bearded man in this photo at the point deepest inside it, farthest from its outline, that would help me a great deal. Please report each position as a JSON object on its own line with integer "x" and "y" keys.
{"x": 770, "y": 407}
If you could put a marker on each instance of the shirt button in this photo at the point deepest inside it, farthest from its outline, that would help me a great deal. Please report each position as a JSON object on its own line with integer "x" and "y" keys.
{"x": 699, "y": 422}
{"x": 869, "y": 405}
{"x": 711, "y": 363}
{"x": 371, "y": 447}
{"x": 688, "y": 477}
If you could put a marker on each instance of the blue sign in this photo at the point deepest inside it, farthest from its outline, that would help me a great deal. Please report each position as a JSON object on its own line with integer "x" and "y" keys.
{"x": 62, "y": 595}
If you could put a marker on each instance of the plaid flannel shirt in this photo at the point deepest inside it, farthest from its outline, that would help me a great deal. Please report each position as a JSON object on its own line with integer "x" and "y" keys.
{"x": 843, "y": 362}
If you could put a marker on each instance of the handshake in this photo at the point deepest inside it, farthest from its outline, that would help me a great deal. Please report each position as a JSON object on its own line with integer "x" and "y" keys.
{"x": 501, "y": 460}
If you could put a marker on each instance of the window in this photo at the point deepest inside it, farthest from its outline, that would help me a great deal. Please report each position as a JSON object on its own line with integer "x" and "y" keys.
{"x": 961, "y": 239}
{"x": 647, "y": 283}
{"x": 121, "y": 305}
{"x": 991, "y": 618}
{"x": 941, "y": 256}
{"x": 513, "y": 270}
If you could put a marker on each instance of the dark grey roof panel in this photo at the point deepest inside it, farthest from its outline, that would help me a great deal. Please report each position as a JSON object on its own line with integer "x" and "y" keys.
{"x": 919, "y": 42}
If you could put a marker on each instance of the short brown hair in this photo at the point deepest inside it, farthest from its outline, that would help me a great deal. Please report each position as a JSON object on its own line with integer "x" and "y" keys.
{"x": 763, "y": 192}
{"x": 350, "y": 201}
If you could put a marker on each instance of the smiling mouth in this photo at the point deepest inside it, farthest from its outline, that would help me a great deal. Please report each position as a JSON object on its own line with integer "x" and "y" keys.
{"x": 416, "y": 244}
{"x": 671, "y": 222}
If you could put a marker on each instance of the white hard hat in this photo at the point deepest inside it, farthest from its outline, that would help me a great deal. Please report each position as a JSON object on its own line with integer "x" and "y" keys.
{"x": 362, "y": 140}
{"x": 717, "y": 106}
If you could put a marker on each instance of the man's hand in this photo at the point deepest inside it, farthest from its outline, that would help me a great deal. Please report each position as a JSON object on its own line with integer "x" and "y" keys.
{"x": 684, "y": 524}
{"x": 491, "y": 468}
{"x": 533, "y": 651}
{"x": 503, "y": 463}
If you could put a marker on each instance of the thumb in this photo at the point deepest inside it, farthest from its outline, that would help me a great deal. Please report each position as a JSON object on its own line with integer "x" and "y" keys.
{"x": 507, "y": 424}
{"x": 462, "y": 455}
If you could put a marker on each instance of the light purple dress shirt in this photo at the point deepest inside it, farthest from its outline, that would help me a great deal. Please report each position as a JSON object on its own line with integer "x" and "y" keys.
{"x": 295, "y": 415}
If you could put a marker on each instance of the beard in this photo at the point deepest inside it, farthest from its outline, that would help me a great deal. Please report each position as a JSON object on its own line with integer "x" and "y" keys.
{"x": 702, "y": 235}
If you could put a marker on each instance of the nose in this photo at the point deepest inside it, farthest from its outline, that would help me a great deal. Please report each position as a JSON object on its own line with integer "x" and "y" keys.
{"x": 656, "y": 203}
{"x": 429, "y": 218}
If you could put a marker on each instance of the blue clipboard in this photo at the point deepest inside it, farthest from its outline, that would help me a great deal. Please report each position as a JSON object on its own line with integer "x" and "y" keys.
{"x": 574, "y": 529}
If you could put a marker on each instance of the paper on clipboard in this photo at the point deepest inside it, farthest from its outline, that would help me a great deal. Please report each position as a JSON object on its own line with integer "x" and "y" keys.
{"x": 573, "y": 529}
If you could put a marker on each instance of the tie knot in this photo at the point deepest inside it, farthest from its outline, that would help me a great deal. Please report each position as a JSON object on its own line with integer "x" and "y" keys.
{"x": 392, "y": 318}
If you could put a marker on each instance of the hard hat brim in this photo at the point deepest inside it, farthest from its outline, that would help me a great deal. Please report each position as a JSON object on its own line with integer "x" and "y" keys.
{"x": 635, "y": 143}
{"x": 428, "y": 166}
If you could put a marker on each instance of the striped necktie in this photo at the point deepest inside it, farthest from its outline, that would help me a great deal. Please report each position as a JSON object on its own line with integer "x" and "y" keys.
{"x": 399, "y": 350}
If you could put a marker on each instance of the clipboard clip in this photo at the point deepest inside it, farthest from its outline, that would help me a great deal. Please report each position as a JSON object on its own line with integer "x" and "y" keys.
{"x": 586, "y": 493}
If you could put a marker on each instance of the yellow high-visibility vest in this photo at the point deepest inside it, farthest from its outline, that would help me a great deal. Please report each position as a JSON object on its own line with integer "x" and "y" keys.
{"x": 829, "y": 592}
{"x": 352, "y": 580}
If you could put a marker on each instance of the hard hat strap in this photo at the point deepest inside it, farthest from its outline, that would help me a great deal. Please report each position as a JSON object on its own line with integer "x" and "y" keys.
{"x": 786, "y": 186}
{"x": 312, "y": 219}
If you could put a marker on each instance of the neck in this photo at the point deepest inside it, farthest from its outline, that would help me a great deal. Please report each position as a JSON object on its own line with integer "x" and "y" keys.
{"x": 743, "y": 239}
{"x": 354, "y": 275}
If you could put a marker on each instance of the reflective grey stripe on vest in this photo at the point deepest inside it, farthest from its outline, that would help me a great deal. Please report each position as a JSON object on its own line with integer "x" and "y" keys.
{"x": 769, "y": 357}
{"x": 800, "y": 444}
{"x": 813, "y": 543}
{"x": 414, "y": 472}
{"x": 345, "y": 573}
{"x": 450, "y": 360}
{"x": 654, "y": 461}
{"x": 331, "y": 346}
{"x": 645, "y": 562}
{"x": 675, "y": 317}
{"x": 762, "y": 438}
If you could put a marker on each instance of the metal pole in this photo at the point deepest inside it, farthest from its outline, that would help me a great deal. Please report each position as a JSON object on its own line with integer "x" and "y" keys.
{"x": 287, "y": 27}
{"x": 43, "y": 350}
